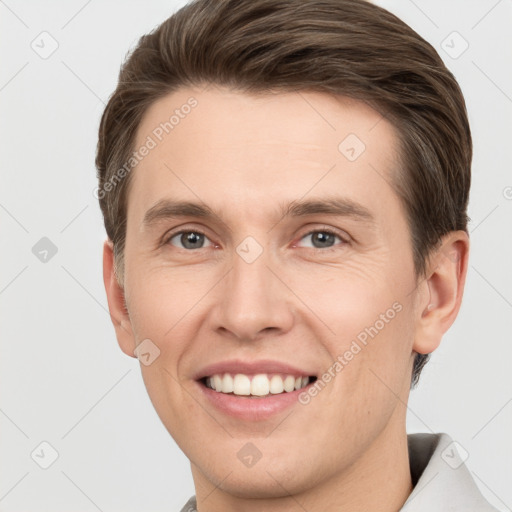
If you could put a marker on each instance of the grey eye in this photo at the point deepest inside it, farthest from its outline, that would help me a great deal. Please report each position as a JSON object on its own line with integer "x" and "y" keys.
{"x": 189, "y": 240}
{"x": 322, "y": 239}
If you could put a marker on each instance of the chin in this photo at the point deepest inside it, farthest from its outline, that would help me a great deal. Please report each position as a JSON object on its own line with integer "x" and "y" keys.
{"x": 260, "y": 485}
{"x": 271, "y": 478}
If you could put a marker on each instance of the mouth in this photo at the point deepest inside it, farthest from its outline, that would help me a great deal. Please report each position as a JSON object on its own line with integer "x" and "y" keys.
{"x": 260, "y": 385}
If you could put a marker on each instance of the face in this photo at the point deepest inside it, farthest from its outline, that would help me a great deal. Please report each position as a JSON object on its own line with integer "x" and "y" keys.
{"x": 296, "y": 262}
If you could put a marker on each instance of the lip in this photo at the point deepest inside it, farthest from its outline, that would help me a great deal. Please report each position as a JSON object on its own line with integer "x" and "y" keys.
{"x": 251, "y": 409}
{"x": 244, "y": 407}
{"x": 268, "y": 366}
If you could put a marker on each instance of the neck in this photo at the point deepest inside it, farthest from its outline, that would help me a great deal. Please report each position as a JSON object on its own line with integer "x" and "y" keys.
{"x": 378, "y": 480}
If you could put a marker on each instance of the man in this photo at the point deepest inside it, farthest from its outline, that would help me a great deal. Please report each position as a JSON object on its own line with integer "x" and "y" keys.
{"x": 284, "y": 186}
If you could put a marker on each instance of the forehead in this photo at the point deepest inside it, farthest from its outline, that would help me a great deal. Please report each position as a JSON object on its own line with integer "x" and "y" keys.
{"x": 306, "y": 122}
{"x": 212, "y": 144}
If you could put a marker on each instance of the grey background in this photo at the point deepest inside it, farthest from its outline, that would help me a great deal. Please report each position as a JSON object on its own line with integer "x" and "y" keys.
{"x": 64, "y": 379}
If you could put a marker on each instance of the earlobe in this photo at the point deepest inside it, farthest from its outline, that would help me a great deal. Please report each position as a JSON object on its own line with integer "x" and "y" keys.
{"x": 443, "y": 289}
{"x": 116, "y": 302}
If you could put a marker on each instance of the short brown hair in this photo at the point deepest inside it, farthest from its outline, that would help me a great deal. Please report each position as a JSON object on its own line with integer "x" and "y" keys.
{"x": 349, "y": 48}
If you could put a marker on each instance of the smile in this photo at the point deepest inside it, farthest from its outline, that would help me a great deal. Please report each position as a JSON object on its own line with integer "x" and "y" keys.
{"x": 259, "y": 385}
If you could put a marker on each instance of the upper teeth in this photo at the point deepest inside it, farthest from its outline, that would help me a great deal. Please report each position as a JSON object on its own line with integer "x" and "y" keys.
{"x": 259, "y": 385}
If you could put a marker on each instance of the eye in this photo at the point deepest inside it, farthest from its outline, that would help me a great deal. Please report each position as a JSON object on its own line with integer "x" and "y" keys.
{"x": 194, "y": 239}
{"x": 322, "y": 238}
{"x": 189, "y": 240}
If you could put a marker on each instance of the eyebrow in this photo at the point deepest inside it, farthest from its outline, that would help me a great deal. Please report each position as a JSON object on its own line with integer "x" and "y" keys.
{"x": 166, "y": 209}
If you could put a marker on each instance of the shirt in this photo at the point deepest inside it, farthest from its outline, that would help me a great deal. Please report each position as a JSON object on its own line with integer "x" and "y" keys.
{"x": 441, "y": 480}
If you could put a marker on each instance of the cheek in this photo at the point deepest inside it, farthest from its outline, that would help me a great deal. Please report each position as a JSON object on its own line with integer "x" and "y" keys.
{"x": 372, "y": 384}
{"x": 162, "y": 300}
{"x": 348, "y": 298}
{"x": 369, "y": 332}
{"x": 376, "y": 359}
{"x": 163, "y": 310}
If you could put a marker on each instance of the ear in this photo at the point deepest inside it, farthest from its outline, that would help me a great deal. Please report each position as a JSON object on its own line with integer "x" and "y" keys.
{"x": 441, "y": 292}
{"x": 116, "y": 302}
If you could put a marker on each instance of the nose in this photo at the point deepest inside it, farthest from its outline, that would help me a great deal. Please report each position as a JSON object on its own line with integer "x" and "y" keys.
{"x": 253, "y": 299}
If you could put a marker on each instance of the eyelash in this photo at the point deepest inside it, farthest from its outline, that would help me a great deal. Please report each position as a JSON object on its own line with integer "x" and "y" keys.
{"x": 328, "y": 231}
{"x": 322, "y": 230}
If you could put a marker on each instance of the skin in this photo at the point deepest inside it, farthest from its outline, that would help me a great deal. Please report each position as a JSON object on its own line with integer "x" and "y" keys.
{"x": 298, "y": 302}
